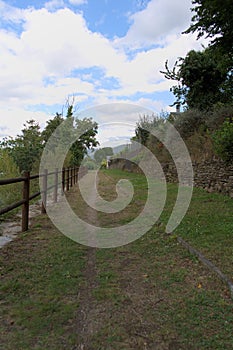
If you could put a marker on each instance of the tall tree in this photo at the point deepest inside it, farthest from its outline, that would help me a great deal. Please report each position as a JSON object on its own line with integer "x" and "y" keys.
{"x": 202, "y": 80}
{"x": 26, "y": 148}
{"x": 51, "y": 126}
{"x": 205, "y": 78}
{"x": 68, "y": 128}
{"x": 214, "y": 19}
{"x": 86, "y": 130}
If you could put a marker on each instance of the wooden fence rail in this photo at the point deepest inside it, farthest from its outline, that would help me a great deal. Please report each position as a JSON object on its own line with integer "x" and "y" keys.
{"x": 50, "y": 180}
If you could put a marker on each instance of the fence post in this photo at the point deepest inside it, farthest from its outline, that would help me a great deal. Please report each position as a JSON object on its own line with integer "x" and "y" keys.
{"x": 25, "y": 206}
{"x": 76, "y": 174}
{"x": 73, "y": 182}
{"x": 68, "y": 180}
{"x": 44, "y": 191}
{"x": 71, "y": 179}
{"x": 55, "y": 185}
{"x": 63, "y": 181}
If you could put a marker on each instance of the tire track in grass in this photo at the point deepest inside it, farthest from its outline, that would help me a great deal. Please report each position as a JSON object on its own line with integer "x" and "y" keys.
{"x": 147, "y": 295}
{"x": 86, "y": 317}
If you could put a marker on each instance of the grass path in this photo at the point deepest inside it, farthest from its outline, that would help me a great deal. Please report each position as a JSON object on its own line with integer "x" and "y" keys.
{"x": 150, "y": 294}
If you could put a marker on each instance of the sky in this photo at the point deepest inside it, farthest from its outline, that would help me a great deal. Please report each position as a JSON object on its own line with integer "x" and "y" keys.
{"x": 103, "y": 52}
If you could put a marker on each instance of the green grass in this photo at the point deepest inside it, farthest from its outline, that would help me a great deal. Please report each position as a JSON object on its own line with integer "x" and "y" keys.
{"x": 39, "y": 289}
{"x": 148, "y": 294}
{"x": 12, "y": 193}
{"x": 208, "y": 224}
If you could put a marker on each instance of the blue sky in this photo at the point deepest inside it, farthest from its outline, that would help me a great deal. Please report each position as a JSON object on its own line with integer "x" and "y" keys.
{"x": 102, "y": 52}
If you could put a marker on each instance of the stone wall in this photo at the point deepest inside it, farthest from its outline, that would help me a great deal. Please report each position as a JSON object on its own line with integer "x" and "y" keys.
{"x": 126, "y": 165}
{"x": 213, "y": 176}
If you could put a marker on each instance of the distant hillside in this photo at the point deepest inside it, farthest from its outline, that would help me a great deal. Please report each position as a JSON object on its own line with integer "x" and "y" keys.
{"x": 116, "y": 150}
{"x": 119, "y": 148}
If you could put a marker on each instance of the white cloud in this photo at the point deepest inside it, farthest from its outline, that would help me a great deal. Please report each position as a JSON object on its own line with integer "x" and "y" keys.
{"x": 26, "y": 61}
{"x": 11, "y": 13}
{"x": 54, "y": 4}
{"x": 43, "y": 64}
{"x": 115, "y": 134}
{"x": 16, "y": 118}
{"x": 66, "y": 44}
{"x": 159, "y": 19}
{"x": 77, "y": 2}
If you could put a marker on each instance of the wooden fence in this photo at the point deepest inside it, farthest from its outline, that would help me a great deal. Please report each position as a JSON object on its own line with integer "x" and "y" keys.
{"x": 50, "y": 181}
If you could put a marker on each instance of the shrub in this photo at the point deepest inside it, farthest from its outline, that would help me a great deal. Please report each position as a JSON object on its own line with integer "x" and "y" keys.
{"x": 218, "y": 115}
{"x": 104, "y": 164}
{"x": 223, "y": 141}
{"x": 8, "y": 169}
{"x": 91, "y": 165}
{"x": 190, "y": 121}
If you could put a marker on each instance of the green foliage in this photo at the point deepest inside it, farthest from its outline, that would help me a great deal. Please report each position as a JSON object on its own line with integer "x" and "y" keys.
{"x": 104, "y": 164}
{"x": 223, "y": 141}
{"x": 102, "y": 153}
{"x": 51, "y": 126}
{"x": 68, "y": 128}
{"x": 26, "y": 148}
{"x": 86, "y": 130}
{"x": 8, "y": 169}
{"x": 205, "y": 78}
{"x": 189, "y": 122}
{"x": 145, "y": 124}
{"x": 216, "y": 117}
{"x": 213, "y": 18}
{"x": 202, "y": 80}
{"x": 89, "y": 163}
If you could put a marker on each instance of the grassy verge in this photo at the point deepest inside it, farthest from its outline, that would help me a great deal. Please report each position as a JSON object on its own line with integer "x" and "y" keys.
{"x": 208, "y": 224}
{"x": 41, "y": 273}
{"x": 150, "y": 294}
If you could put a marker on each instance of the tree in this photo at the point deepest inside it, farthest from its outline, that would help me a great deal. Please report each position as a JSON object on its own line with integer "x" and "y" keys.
{"x": 68, "y": 128}
{"x": 102, "y": 154}
{"x": 201, "y": 80}
{"x": 205, "y": 78}
{"x": 51, "y": 126}
{"x": 214, "y": 19}
{"x": 26, "y": 148}
{"x": 8, "y": 168}
{"x": 86, "y": 130}
{"x": 145, "y": 124}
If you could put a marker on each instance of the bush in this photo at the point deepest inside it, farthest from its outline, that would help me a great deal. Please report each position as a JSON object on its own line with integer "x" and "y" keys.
{"x": 91, "y": 165}
{"x": 8, "y": 169}
{"x": 190, "y": 121}
{"x": 103, "y": 164}
{"x": 223, "y": 141}
{"x": 218, "y": 115}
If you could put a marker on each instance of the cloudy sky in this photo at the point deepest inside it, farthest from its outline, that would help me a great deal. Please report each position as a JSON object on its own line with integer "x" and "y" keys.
{"x": 100, "y": 51}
